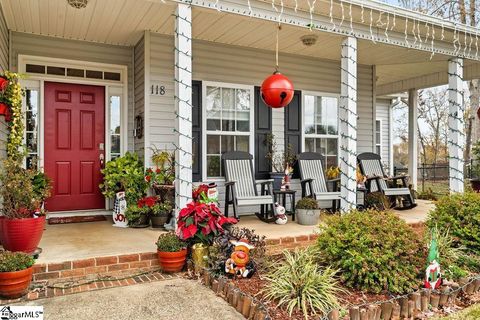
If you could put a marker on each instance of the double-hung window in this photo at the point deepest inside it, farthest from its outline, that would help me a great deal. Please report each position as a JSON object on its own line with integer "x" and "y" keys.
{"x": 320, "y": 124}
{"x": 228, "y": 123}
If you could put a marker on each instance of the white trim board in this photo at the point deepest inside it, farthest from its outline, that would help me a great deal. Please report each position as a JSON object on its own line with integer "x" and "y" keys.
{"x": 36, "y": 81}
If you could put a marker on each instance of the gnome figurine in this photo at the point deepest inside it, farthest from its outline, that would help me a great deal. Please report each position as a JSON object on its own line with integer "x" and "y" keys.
{"x": 433, "y": 277}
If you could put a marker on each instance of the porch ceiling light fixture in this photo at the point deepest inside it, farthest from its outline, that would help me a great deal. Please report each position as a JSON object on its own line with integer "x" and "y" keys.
{"x": 78, "y": 4}
{"x": 309, "y": 39}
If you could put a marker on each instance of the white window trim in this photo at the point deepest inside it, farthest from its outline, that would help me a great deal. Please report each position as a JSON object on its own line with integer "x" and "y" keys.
{"x": 111, "y": 87}
{"x": 250, "y": 133}
{"x": 304, "y": 135}
{"x": 379, "y": 143}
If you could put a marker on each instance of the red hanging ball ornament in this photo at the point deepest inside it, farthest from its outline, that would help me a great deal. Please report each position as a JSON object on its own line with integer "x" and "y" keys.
{"x": 277, "y": 90}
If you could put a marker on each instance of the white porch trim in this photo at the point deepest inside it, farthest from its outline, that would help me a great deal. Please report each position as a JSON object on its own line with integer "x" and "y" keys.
{"x": 413, "y": 137}
{"x": 183, "y": 105}
{"x": 456, "y": 135}
{"x": 348, "y": 124}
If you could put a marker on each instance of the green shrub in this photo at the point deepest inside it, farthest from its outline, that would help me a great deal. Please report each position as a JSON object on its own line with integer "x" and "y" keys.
{"x": 298, "y": 283}
{"x": 427, "y": 195}
{"x": 460, "y": 213}
{"x": 374, "y": 250}
{"x": 307, "y": 204}
{"x": 169, "y": 242}
{"x": 15, "y": 261}
{"x": 124, "y": 174}
{"x": 161, "y": 209}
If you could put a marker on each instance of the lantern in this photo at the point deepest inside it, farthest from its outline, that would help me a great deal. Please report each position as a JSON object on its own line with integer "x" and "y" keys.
{"x": 277, "y": 90}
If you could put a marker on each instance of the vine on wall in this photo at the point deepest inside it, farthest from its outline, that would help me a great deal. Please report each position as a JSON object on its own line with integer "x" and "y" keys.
{"x": 11, "y": 95}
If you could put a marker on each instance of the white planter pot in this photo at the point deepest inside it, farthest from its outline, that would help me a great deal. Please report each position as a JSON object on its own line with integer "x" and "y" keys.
{"x": 307, "y": 217}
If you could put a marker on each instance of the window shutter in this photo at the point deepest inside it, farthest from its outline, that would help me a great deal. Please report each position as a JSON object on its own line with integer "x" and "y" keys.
{"x": 293, "y": 127}
{"x": 197, "y": 130}
{"x": 263, "y": 127}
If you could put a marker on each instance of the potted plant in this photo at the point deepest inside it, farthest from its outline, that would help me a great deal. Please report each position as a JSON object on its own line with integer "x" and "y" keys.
{"x": 162, "y": 176}
{"x": 160, "y": 214}
{"x": 124, "y": 174}
{"x": 307, "y": 211}
{"x": 137, "y": 217}
{"x": 282, "y": 162}
{"x": 200, "y": 222}
{"x": 23, "y": 193}
{"x": 475, "y": 168}
{"x": 172, "y": 252}
{"x": 15, "y": 273}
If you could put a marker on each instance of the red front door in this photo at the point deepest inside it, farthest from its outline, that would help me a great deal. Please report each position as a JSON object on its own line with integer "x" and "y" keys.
{"x": 74, "y": 141}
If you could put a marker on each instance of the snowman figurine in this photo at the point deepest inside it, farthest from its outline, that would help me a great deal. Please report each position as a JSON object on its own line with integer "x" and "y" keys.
{"x": 281, "y": 217}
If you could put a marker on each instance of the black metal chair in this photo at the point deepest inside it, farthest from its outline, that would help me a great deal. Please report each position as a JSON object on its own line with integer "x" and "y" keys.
{"x": 241, "y": 186}
{"x": 313, "y": 180}
{"x": 378, "y": 181}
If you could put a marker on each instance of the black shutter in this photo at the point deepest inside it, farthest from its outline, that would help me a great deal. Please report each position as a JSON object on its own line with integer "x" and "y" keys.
{"x": 263, "y": 127}
{"x": 293, "y": 127}
{"x": 197, "y": 130}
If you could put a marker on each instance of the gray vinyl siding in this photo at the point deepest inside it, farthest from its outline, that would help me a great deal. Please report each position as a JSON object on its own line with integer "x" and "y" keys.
{"x": 139, "y": 91}
{"x": 4, "y": 53}
{"x": 383, "y": 106}
{"x": 239, "y": 65}
{"x": 29, "y": 44}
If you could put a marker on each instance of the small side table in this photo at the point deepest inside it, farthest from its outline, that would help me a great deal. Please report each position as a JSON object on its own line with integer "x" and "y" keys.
{"x": 280, "y": 196}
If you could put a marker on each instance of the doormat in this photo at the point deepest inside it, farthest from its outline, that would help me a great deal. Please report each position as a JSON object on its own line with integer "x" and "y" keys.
{"x": 63, "y": 220}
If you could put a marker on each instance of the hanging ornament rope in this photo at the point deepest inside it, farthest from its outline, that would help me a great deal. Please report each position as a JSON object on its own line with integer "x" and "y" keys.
{"x": 277, "y": 90}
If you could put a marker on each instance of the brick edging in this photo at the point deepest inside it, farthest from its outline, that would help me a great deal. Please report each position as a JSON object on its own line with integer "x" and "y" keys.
{"x": 296, "y": 239}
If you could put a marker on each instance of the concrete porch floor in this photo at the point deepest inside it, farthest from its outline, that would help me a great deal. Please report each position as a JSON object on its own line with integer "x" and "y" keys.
{"x": 65, "y": 242}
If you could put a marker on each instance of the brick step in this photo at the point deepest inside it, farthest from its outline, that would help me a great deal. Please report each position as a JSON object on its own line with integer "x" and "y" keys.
{"x": 76, "y": 269}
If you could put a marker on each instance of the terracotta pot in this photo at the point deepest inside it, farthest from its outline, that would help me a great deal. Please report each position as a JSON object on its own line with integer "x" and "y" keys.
{"x": 22, "y": 234}
{"x": 172, "y": 261}
{"x": 15, "y": 284}
{"x": 3, "y": 109}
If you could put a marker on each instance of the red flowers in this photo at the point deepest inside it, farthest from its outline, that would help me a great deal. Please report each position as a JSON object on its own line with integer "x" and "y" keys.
{"x": 200, "y": 192}
{"x": 147, "y": 202}
{"x": 201, "y": 221}
{"x": 3, "y": 84}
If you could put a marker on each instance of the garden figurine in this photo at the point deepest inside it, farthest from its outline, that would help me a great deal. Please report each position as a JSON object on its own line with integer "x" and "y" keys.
{"x": 239, "y": 264}
{"x": 433, "y": 278}
{"x": 281, "y": 217}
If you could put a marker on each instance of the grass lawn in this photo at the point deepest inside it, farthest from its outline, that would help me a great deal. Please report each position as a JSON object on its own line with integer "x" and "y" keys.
{"x": 439, "y": 188}
{"x": 471, "y": 313}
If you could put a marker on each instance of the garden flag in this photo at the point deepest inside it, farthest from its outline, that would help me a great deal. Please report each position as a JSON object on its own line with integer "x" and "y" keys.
{"x": 433, "y": 278}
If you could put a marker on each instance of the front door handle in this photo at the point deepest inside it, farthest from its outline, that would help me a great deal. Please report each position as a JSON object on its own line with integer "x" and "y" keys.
{"x": 102, "y": 160}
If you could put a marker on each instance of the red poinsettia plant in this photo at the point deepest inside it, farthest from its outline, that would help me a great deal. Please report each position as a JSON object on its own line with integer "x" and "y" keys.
{"x": 201, "y": 221}
{"x": 147, "y": 202}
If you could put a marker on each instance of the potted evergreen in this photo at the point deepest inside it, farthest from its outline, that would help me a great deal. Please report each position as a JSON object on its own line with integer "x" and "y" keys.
{"x": 162, "y": 176}
{"x": 23, "y": 193}
{"x": 137, "y": 216}
{"x": 160, "y": 214}
{"x": 307, "y": 211}
{"x": 172, "y": 252}
{"x": 15, "y": 274}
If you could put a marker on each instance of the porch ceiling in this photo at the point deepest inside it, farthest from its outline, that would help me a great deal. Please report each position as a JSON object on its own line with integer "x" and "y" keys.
{"x": 122, "y": 22}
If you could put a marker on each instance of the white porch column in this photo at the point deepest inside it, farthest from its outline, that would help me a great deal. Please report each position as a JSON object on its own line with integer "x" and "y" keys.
{"x": 456, "y": 136}
{"x": 183, "y": 105}
{"x": 413, "y": 137}
{"x": 348, "y": 124}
